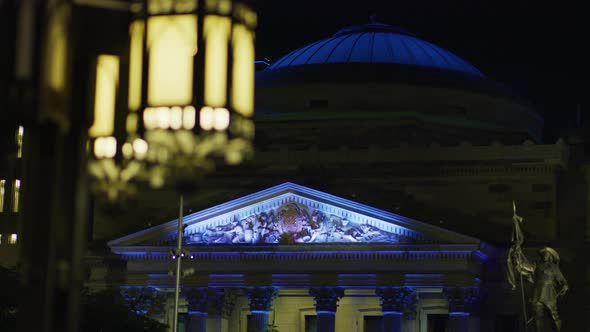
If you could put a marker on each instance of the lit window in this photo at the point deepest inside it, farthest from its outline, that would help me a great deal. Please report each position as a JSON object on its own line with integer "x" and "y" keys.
{"x": 12, "y": 239}
{"x": 19, "y": 141}
{"x": 2, "y": 184}
{"x": 15, "y": 195}
{"x": 0, "y": 238}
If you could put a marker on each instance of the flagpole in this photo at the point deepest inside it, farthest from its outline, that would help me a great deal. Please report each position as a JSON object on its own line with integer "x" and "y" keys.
{"x": 178, "y": 260}
{"x": 526, "y": 320}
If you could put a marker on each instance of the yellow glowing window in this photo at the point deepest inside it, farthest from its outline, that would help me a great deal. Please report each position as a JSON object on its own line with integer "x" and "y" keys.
{"x": 107, "y": 78}
{"x": 15, "y": 195}
{"x": 2, "y": 186}
{"x": 135, "y": 64}
{"x": 19, "y": 141}
{"x": 243, "y": 71}
{"x": 216, "y": 31}
{"x": 55, "y": 66}
{"x": 172, "y": 44}
{"x": 12, "y": 239}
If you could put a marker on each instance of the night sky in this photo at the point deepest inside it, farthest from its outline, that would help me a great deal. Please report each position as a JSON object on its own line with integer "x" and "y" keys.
{"x": 534, "y": 47}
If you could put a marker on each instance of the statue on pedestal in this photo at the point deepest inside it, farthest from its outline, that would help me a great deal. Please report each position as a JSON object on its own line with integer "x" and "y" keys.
{"x": 548, "y": 281}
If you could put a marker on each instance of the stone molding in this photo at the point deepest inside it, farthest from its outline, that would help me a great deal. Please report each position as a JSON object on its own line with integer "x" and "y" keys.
{"x": 260, "y": 298}
{"x": 326, "y": 298}
{"x": 398, "y": 299}
{"x": 462, "y": 299}
{"x": 365, "y": 252}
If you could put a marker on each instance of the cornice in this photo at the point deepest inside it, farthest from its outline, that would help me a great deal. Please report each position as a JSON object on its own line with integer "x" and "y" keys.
{"x": 244, "y": 253}
{"x": 547, "y": 154}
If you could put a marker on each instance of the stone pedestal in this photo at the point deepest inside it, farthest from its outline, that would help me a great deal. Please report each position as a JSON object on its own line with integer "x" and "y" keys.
{"x": 260, "y": 304}
{"x": 396, "y": 302}
{"x": 326, "y": 303}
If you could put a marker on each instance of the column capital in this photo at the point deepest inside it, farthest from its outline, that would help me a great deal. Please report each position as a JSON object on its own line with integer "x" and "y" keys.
{"x": 144, "y": 300}
{"x": 261, "y": 297}
{"x": 197, "y": 298}
{"x": 222, "y": 301}
{"x": 398, "y": 299}
{"x": 326, "y": 298}
{"x": 462, "y": 300}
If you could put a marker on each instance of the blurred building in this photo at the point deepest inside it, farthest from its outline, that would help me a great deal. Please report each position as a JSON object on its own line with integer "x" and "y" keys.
{"x": 10, "y": 187}
{"x": 372, "y": 130}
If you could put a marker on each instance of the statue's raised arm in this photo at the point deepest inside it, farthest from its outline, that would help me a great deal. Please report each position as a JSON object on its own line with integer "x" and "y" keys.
{"x": 517, "y": 263}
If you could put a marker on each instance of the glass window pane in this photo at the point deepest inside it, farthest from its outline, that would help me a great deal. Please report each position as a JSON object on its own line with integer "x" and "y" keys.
{"x": 2, "y": 189}
{"x": 310, "y": 323}
{"x": 373, "y": 323}
{"x": 438, "y": 323}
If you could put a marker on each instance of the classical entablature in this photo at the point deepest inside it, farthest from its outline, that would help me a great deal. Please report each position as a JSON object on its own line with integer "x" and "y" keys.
{"x": 292, "y": 234}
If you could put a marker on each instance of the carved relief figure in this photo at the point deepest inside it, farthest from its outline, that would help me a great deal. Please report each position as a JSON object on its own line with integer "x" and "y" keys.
{"x": 295, "y": 223}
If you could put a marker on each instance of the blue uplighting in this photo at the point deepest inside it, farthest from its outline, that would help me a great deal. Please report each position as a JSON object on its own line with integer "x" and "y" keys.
{"x": 375, "y": 43}
{"x": 196, "y": 312}
{"x": 392, "y": 312}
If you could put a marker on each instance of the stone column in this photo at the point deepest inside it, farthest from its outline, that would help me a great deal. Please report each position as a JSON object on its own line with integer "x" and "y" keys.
{"x": 221, "y": 304}
{"x": 396, "y": 303}
{"x": 463, "y": 302}
{"x": 260, "y": 304}
{"x": 197, "y": 300}
{"x": 326, "y": 302}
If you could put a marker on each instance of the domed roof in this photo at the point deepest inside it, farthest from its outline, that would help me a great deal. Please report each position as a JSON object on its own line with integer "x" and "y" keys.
{"x": 376, "y": 43}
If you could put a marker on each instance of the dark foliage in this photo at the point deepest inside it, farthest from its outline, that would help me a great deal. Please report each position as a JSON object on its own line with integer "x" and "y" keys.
{"x": 8, "y": 295}
{"x": 107, "y": 311}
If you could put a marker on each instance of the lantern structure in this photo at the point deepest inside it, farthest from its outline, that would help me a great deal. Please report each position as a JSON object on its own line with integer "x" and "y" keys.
{"x": 191, "y": 87}
{"x": 189, "y": 96}
{"x": 112, "y": 173}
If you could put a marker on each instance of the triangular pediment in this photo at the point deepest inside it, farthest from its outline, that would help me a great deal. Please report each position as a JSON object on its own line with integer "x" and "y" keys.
{"x": 294, "y": 214}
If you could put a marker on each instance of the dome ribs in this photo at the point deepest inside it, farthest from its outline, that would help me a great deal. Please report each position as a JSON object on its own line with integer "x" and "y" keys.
{"x": 340, "y": 42}
{"x": 376, "y": 43}
{"x": 326, "y": 42}
{"x": 353, "y": 45}
{"x": 303, "y": 50}
{"x": 372, "y": 48}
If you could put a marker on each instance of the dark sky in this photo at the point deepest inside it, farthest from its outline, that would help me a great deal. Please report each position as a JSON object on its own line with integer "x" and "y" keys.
{"x": 535, "y": 47}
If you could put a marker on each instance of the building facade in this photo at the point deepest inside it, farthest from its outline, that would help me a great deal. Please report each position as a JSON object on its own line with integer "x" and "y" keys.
{"x": 291, "y": 258}
{"x": 384, "y": 121}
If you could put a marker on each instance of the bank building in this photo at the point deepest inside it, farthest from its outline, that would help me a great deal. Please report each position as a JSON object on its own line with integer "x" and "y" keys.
{"x": 379, "y": 199}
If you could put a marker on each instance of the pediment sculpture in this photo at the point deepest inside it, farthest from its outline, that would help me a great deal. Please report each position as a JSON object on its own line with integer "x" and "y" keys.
{"x": 294, "y": 223}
